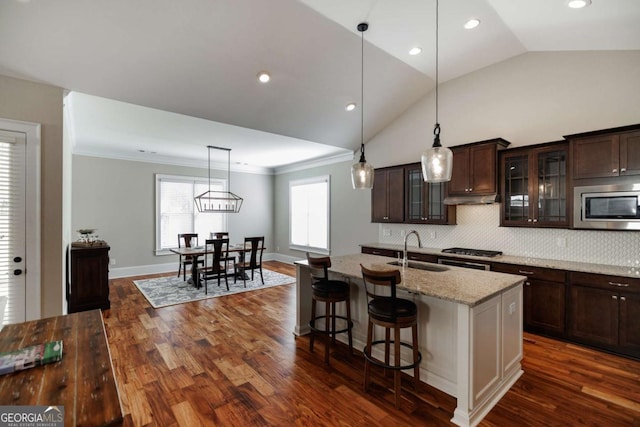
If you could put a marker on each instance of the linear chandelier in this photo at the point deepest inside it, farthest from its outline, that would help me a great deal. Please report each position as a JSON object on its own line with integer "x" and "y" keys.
{"x": 213, "y": 201}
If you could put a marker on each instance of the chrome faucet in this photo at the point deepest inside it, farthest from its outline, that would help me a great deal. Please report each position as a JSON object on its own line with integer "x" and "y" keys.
{"x": 405, "y": 261}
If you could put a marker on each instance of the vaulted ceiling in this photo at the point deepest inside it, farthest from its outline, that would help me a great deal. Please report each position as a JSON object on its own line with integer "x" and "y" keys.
{"x": 158, "y": 80}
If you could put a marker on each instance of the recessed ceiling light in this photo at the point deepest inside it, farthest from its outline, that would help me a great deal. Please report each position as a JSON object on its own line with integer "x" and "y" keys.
{"x": 472, "y": 23}
{"x": 350, "y": 107}
{"x": 415, "y": 51}
{"x": 263, "y": 77}
{"x": 578, "y": 4}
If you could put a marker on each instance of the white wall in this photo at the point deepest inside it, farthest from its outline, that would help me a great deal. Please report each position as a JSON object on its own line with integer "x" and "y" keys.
{"x": 350, "y": 211}
{"x": 533, "y": 98}
{"x": 40, "y": 103}
{"x": 117, "y": 197}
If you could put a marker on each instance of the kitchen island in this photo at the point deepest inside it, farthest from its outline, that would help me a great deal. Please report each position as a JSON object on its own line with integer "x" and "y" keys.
{"x": 469, "y": 326}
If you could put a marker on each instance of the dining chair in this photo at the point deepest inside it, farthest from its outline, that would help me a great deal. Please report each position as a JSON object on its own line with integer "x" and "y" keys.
{"x": 219, "y": 235}
{"x": 216, "y": 261}
{"x": 187, "y": 240}
{"x": 253, "y": 261}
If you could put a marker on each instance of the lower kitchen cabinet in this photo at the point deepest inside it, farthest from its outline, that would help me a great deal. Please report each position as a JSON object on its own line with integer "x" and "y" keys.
{"x": 605, "y": 312}
{"x": 544, "y": 298}
{"x": 629, "y": 334}
{"x": 378, "y": 251}
{"x": 88, "y": 286}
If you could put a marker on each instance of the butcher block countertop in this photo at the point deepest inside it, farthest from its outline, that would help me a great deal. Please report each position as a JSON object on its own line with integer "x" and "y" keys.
{"x": 456, "y": 284}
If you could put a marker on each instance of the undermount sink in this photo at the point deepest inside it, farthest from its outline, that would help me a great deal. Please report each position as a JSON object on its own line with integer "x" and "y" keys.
{"x": 421, "y": 266}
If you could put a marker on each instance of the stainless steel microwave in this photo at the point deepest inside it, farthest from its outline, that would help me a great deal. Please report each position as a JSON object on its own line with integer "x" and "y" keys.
{"x": 608, "y": 207}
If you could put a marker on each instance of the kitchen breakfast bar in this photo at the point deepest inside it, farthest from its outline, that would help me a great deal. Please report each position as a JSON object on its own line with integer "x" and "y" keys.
{"x": 469, "y": 325}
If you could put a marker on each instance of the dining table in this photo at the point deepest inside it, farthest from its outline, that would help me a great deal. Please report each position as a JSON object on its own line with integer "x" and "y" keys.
{"x": 197, "y": 251}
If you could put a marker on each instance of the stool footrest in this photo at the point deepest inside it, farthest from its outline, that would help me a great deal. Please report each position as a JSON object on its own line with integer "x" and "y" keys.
{"x": 322, "y": 331}
{"x": 384, "y": 365}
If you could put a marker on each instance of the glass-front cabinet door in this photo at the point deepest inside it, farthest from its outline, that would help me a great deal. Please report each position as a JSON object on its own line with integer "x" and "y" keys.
{"x": 534, "y": 186}
{"x": 515, "y": 206}
{"x": 551, "y": 189}
{"x": 425, "y": 201}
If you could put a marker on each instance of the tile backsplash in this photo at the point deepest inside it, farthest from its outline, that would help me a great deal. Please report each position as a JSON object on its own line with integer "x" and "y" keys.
{"x": 478, "y": 228}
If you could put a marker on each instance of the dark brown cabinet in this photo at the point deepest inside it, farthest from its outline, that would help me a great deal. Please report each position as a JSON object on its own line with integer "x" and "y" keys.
{"x": 606, "y": 153}
{"x": 387, "y": 195}
{"x": 534, "y": 186}
{"x": 605, "y": 312}
{"x": 475, "y": 168}
{"x": 424, "y": 202}
{"x": 544, "y": 297}
{"x": 88, "y": 286}
{"x": 378, "y": 251}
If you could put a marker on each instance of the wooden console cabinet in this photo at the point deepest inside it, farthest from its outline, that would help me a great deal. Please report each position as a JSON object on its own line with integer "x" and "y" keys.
{"x": 88, "y": 283}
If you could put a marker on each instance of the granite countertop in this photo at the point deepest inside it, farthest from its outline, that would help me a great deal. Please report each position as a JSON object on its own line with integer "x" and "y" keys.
{"x": 613, "y": 270}
{"x": 460, "y": 285}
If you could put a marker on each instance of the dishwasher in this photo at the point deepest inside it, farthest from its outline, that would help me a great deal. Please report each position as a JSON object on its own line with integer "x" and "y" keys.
{"x": 465, "y": 264}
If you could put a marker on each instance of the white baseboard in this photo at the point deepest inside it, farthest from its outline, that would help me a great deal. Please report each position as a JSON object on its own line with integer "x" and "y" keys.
{"x": 142, "y": 270}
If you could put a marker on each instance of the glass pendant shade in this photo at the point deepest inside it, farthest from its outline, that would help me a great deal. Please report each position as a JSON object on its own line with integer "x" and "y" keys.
{"x": 362, "y": 175}
{"x": 437, "y": 164}
{"x": 437, "y": 161}
{"x": 362, "y": 172}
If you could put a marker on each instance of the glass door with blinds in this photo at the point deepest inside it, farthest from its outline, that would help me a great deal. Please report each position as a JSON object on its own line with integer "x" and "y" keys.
{"x": 12, "y": 227}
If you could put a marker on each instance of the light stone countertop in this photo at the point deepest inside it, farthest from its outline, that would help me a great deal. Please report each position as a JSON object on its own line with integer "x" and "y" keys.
{"x": 614, "y": 270}
{"x": 460, "y": 285}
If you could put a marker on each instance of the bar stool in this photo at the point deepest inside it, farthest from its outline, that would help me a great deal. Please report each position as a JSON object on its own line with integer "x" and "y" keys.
{"x": 390, "y": 312}
{"x": 330, "y": 292}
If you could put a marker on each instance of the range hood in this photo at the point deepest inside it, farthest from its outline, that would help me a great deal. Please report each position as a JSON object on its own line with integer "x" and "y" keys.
{"x": 486, "y": 199}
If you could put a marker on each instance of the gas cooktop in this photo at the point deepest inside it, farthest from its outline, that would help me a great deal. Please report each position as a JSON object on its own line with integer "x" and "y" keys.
{"x": 472, "y": 252}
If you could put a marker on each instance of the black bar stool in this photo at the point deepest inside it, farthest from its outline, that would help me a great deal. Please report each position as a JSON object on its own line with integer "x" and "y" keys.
{"x": 330, "y": 292}
{"x": 390, "y": 312}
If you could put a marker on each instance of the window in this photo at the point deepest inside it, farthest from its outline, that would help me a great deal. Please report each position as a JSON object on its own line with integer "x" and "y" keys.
{"x": 309, "y": 214}
{"x": 176, "y": 212}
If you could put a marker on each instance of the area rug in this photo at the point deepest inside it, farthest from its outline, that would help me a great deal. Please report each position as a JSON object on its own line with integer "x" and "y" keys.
{"x": 171, "y": 290}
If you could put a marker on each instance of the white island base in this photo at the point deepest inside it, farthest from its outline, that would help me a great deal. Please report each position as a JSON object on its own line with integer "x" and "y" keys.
{"x": 471, "y": 352}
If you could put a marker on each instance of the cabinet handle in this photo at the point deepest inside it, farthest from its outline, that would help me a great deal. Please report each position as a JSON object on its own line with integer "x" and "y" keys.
{"x": 529, "y": 220}
{"x": 620, "y": 285}
{"x": 623, "y": 299}
{"x": 622, "y": 170}
{"x": 528, "y": 273}
{"x": 614, "y": 296}
{"x": 527, "y": 283}
{"x": 615, "y": 171}
{"x": 535, "y": 220}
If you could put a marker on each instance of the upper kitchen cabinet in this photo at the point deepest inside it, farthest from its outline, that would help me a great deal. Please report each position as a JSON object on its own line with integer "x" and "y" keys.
{"x": 425, "y": 201}
{"x": 534, "y": 186}
{"x": 387, "y": 195}
{"x": 475, "y": 168}
{"x": 606, "y": 153}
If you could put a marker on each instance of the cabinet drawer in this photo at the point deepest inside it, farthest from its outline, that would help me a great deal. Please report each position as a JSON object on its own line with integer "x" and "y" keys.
{"x": 413, "y": 256}
{"x": 603, "y": 281}
{"x": 538, "y": 273}
{"x": 378, "y": 251}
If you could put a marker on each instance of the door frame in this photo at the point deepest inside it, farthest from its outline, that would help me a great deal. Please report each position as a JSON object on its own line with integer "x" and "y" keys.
{"x": 32, "y": 133}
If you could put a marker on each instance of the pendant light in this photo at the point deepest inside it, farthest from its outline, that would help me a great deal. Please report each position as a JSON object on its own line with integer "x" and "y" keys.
{"x": 437, "y": 161}
{"x": 218, "y": 201}
{"x": 362, "y": 172}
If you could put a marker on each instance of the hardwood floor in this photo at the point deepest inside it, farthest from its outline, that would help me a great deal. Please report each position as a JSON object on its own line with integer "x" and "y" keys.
{"x": 233, "y": 361}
